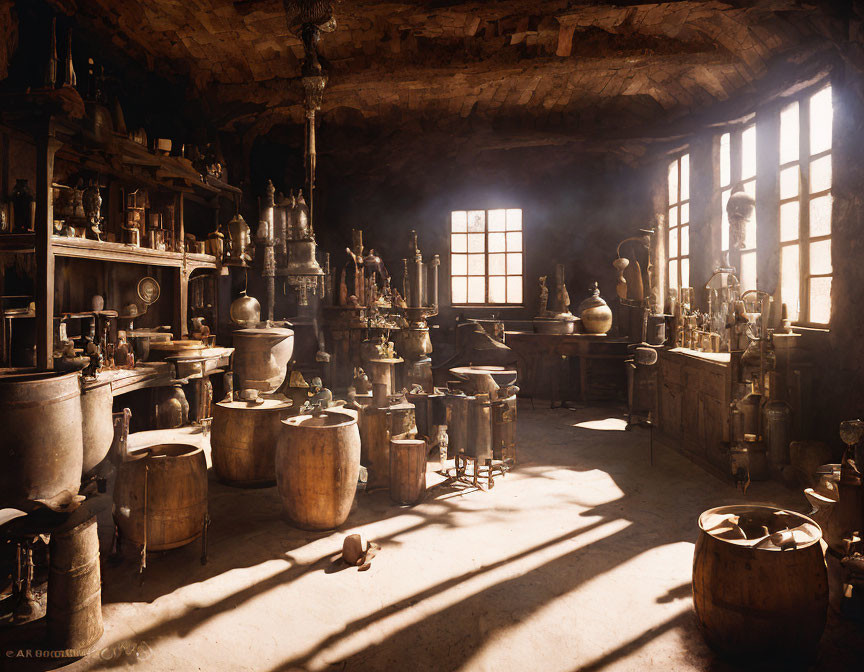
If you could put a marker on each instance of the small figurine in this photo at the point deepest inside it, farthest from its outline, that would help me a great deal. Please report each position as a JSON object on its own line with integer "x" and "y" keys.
{"x": 443, "y": 444}
{"x": 543, "y": 301}
{"x": 320, "y": 395}
{"x": 362, "y": 384}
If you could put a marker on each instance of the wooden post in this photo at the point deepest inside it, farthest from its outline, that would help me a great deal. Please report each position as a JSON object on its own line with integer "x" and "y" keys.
{"x": 46, "y": 147}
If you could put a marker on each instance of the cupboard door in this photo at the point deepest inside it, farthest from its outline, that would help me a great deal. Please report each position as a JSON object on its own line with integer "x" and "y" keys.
{"x": 712, "y": 415}
{"x": 670, "y": 409}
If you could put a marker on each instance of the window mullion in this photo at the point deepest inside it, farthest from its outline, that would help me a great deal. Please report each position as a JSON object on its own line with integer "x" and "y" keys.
{"x": 804, "y": 212}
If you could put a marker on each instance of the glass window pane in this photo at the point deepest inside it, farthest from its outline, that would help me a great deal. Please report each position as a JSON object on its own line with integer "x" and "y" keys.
{"x": 476, "y": 264}
{"x": 459, "y": 221}
{"x": 514, "y": 219}
{"x": 496, "y": 242}
{"x": 790, "y": 287}
{"x": 496, "y": 264}
{"x": 820, "y": 215}
{"x": 685, "y": 213}
{"x": 820, "y": 300}
{"x": 673, "y": 217}
{"x": 685, "y": 272}
{"x": 459, "y": 242}
{"x": 789, "y": 182}
{"x": 497, "y": 290}
{"x": 821, "y": 121}
{"x": 820, "y": 257}
{"x": 790, "y": 132}
{"x": 476, "y": 242}
{"x": 673, "y": 182}
{"x": 750, "y": 233}
{"x": 477, "y": 290}
{"x": 497, "y": 219}
{"x": 514, "y": 241}
{"x": 514, "y": 289}
{"x": 476, "y": 221}
{"x": 748, "y": 153}
{"x": 458, "y": 264}
{"x": 820, "y": 174}
{"x": 459, "y": 290}
{"x": 673, "y": 273}
{"x": 514, "y": 264}
{"x": 725, "y": 159}
{"x": 748, "y": 270}
{"x": 789, "y": 216}
{"x": 685, "y": 177}
{"x": 685, "y": 242}
{"x": 673, "y": 242}
{"x": 724, "y": 219}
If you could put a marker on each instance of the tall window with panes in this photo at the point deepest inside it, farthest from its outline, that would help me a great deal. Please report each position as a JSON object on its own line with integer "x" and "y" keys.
{"x": 678, "y": 244}
{"x": 738, "y": 165}
{"x": 805, "y": 208}
{"x": 486, "y": 257}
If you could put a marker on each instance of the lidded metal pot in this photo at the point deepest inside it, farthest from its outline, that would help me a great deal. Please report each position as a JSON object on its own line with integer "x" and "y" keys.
{"x": 595, "y": 314}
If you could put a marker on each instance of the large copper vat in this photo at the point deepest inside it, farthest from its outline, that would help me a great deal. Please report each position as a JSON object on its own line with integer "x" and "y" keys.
{"x": 243, "y": 440}
{"x": 760, "y": 586}
{"x": 41, "y": 451}
{"x": 317, "y": 468}
{"x": 261, "y": 356}
{"x": 97, "y": 424}
{"x": 163, "y": 490}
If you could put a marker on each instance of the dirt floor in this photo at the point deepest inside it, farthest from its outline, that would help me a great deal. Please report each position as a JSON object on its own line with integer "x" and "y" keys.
{"x": 579, "y": 559}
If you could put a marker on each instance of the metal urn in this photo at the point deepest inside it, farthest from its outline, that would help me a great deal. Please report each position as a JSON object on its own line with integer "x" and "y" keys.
{"x": 240, "y": 241}
{"x": 245, "y": 310}
{"x": 595, "y": 314}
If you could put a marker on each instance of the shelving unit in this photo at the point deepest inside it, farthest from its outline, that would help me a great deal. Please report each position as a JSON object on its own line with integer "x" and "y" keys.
{"x": 51, "y": 122}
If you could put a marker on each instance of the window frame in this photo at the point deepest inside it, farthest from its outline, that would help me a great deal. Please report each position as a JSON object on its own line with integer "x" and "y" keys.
{"x": 486, "y": 253}
{"x": 678, "y": 204}
{"x": 804, "y": 197}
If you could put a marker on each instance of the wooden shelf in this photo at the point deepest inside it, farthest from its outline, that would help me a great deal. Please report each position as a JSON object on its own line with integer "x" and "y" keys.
{"x": 83, "y": 248}
{"x": 18, "y": 242}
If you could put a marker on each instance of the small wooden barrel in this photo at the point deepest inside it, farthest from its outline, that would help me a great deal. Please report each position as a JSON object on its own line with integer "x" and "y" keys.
{"x": 374, "y": 424}
{"x": 74, "y": 590}
{"x": 166, "y": 486}
{"x": 760, "y": 586}
{"x": 407, "y": 470}
{"x": 317, "y": 468}
{"x": 243, "y": 441}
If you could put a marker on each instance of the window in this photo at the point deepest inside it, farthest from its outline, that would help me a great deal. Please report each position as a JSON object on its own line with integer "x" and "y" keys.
{"x": 805, "y": 208}
{"x": 738, "y": 166}
{"x": 679, "y": 222}
{"x": 486, "y": 257}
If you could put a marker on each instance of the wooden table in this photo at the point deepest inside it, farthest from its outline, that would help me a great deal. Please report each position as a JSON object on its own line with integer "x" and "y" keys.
{"x": 539, "y": 361}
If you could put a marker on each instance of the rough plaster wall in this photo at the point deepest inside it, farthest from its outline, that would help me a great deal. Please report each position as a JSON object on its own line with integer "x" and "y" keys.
{"x": 8, "y": 35}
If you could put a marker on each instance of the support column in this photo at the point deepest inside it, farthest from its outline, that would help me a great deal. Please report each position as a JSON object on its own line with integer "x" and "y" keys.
{"x": 46, "y": 147}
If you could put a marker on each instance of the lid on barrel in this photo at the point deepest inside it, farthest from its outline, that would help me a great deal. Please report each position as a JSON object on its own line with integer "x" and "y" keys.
{"x": 265, "y": 405}
{"x": 761, "y": 527}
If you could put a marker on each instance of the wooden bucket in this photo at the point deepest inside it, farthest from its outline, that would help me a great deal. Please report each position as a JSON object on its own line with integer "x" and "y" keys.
{"x": 407, "y": 470}
{"x": 760, "y": 587}
{"x": 166, "y": 486}
{"x": 243, "y": 441}
{"x": 317, "y": 468}
{"x": 74, "y": 615}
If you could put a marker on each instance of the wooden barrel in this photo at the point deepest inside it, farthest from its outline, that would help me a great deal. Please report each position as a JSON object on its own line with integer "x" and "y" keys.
{"x": 504, "y": 429}
{"x": 243, "y": 441}
{"x": 760, "y": 588}
{"x": 317, "y": 468}
{"x": 74, "y": 614}
{"x": 166, "y": 486}
{"x": 407, "y": 470}
{"x": 374, "y": 427}
{"x": 41, "y": 445}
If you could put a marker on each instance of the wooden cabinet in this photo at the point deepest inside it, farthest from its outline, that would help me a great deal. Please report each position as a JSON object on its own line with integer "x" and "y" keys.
{"x": 694, "y": 403}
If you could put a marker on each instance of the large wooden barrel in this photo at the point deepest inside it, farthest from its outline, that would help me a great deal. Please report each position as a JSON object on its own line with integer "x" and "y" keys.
{"x": 243, "y": 441}
{"x": 97, "y": 425}
{"x": 162, "y": 488}
{"x": 374, "y": 426}
{"x": 74, "y": 615}
{"x": 407, "y": 470}
{"x": 317, "y": 468}
{"x": 41, "y": 447}
{"x": 760, "y": 587}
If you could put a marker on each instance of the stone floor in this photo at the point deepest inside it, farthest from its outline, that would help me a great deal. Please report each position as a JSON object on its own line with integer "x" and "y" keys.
{"x": 580, "y": 559}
